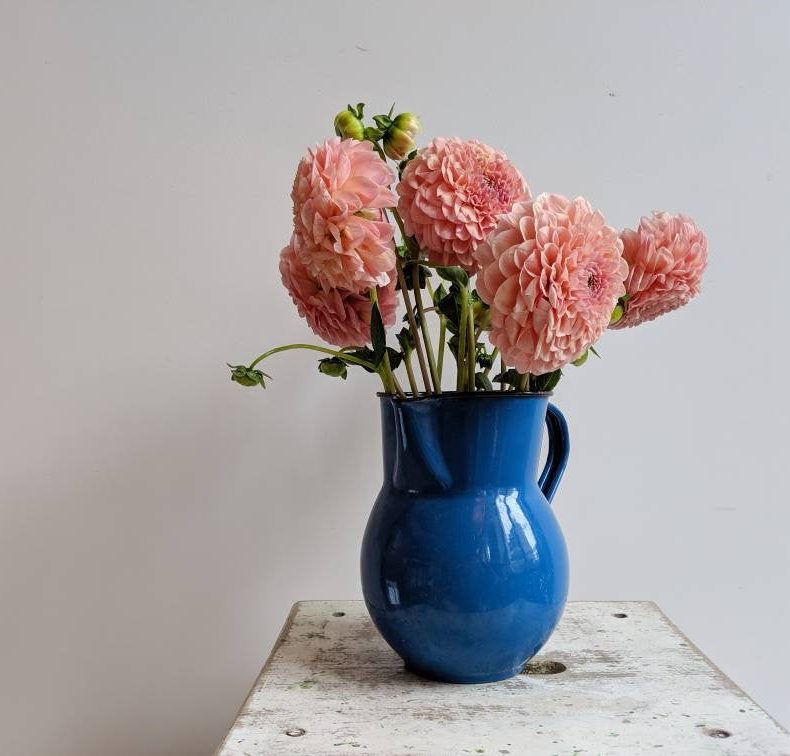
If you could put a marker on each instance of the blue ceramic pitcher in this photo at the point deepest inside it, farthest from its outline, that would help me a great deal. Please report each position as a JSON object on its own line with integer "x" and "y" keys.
{"x": 464, "y": 567}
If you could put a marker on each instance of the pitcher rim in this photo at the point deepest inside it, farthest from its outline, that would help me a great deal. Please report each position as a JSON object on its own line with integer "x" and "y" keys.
{"x": 410, "y": 398}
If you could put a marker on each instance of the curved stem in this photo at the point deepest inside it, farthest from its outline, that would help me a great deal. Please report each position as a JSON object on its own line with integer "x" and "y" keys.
{"x": 312, "y": 347}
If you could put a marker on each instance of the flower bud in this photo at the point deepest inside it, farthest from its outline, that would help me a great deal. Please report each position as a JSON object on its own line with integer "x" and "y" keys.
{"x": 348, "y": 126}
{"x": 482, "y": 315}
{"x": 245, "y": 376}
{"x": 397, "y": 144}
{"x": 581, "y": 359}
{"x": 409, "y": 123}
{"x": 617, "y": 314}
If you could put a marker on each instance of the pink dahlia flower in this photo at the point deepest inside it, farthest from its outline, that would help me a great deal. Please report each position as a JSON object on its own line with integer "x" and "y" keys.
{"x": 552, "y": 272}
{"x": 338, "y": 316}
{"x": 338, "y": 194}
{"x": 666, "y": 257}
{"x": 451, "y": 194}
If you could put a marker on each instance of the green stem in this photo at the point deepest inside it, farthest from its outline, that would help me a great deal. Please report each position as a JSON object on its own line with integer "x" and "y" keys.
{"x": 471, "y": 359}
{"x": 312, "y": 347}
{"x": 502, "y": 368}
{"x": 442, "y": 332}
{"x": 493, "y": 360}
{"x": 426, "y": 336}
{"x": 384, "y": 369}
{"x": 415, "y": 335}
{"x": 462, "y": 330}
{"x": 410, "y": 243}
{"x": 395, "y": 382}
{"x": 414, "y": 250}
{"x": 410, "y": 373}
{"x": 523, "y": 382}
{"x": 442, "y": 340}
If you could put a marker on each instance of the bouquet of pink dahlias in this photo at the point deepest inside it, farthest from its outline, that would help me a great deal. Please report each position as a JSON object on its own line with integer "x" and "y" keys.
{"x": 520, "y": 285}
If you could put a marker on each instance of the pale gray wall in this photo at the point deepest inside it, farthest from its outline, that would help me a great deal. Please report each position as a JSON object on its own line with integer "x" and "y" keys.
{"x": 157, "y": 521}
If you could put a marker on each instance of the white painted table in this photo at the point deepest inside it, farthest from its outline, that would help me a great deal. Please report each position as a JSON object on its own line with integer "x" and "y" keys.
{"x": 631, "y": 683}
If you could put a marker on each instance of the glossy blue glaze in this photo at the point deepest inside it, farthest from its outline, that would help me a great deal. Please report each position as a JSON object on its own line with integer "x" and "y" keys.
{"x": 464, "y": 567}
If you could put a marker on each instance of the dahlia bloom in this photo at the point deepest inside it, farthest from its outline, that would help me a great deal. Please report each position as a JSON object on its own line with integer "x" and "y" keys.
{"x": 338, "y": 316}
{"x": 666, "y": 257}
{"x": 451, "y": 194}
{"x": 338, "y": 194}
{"x": 552, "y": 272}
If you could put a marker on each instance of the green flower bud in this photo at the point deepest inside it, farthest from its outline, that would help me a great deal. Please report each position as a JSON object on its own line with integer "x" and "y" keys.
{"x": 617, "y": 314}
{"x": 482, "y": 313}
{"x": 348, "y": 126}
{"x": 581, "y": 359}
{"x": 245, "y": 376}
{"x": 409, "y": 123}
{"x": 397, "y": 144}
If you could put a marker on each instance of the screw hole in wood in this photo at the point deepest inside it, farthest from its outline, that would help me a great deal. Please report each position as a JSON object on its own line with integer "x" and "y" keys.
{"x": 620, "y": 615}
{"x": 543, "y": 667}
{"x": 295, "y": 732}
{"x": 717, "y": 733}
{"x": 338, "y": 614}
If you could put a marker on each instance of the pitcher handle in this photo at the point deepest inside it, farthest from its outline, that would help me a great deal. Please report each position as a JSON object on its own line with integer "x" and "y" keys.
{"x": 559, "y": 449}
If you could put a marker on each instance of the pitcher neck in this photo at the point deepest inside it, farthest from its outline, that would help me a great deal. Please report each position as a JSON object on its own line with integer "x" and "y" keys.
{"x": 461, "y": 441}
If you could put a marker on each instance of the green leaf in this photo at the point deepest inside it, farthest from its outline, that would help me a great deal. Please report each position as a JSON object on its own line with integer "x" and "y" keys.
{"x": 439, "y": 294}
{"x": 378, "y": 335}
{"x": 547, "y": 381}
{"x": 406, "y": 341}
{"x": 333, "y": 366}
{"x": 395, "y": 357}
{"x": 595, "y": 352}
{"x": 454, "y": 275}
{"x": 403, "y": 163}
{"x": 383, "y": 122}
{"x": 360, "y": 109}
{"x": 509, "y": 377}
{"x": 450, "y": 307}
{"x": 484, "y": 359}
{"x": 363, "y": 353}
{"x": 372, "y": 135}
{"x": 452, "y": 345}
{"x": 483, "y": 382}
{"x": 409, "y": 274}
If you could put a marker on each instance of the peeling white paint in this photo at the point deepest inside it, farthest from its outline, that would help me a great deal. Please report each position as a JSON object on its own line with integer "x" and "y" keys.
{"x": 633, "y": 684}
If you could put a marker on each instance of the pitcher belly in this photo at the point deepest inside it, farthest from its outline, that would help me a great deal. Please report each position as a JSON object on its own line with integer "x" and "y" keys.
{"x": 466, "y": 587}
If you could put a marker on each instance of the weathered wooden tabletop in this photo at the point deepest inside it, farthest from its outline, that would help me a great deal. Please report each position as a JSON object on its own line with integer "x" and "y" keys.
{"x": 615, "y": 677}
